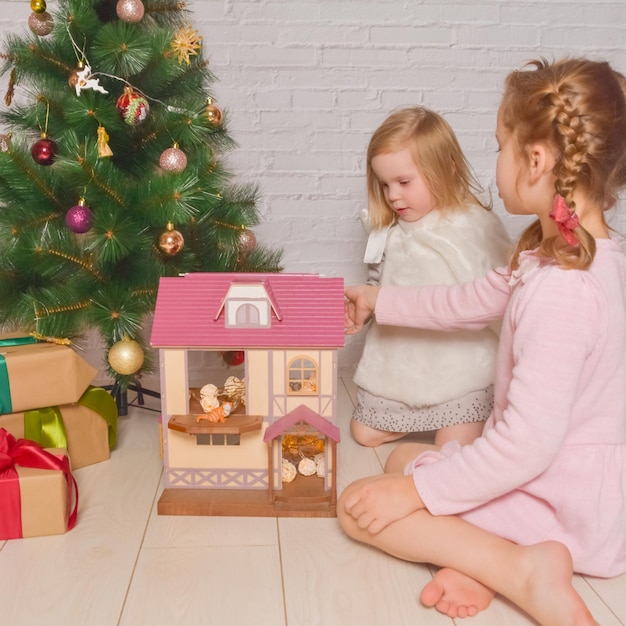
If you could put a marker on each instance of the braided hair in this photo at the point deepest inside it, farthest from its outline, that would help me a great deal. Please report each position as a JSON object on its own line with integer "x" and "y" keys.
{"x": 579, "y": 107}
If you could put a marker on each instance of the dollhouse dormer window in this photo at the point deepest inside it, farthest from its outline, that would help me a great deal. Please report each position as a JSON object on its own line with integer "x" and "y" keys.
{"x": 302, "y": 377}
{"x": 248, "y": 305}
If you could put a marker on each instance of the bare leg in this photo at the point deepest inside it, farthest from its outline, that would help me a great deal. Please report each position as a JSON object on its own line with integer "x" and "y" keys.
{"x": 403, "y": 454}
{"x": 450, "y": 592}
{"x": 536, "y": 578}
{"x": 372, "y": 437}
{"x": 463, "y": 433}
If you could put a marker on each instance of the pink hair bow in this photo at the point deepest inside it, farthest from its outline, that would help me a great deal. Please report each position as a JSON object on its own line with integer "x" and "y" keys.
{"x": 565, "y": 219}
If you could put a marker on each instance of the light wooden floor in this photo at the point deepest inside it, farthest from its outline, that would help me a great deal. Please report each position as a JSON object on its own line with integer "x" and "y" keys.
{"x": 124, "y": 565}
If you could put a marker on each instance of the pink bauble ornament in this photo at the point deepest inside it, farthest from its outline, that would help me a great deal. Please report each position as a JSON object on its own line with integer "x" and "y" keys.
{"x": 130, "y": 11}
{"x": 132, "y": 107}
{"x": 41, "y": 23}
{"x": 78, "y": 218}
{"x": 44, "y": 151}
{"x": 247, "y": 241}
{"x": 173, "y": 159}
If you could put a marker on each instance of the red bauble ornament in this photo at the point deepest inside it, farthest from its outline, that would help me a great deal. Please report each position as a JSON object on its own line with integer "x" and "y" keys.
{"x": 132, "y": 107}
{"x": 78, "y": 218}
{"x": 130, "y": 11}
{"x": 173, "y": 159}
{"x": 234, "y": 357}
{"x": 44, "y": 151}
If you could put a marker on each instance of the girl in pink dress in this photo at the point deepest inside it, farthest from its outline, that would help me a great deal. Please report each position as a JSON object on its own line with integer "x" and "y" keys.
{"x": 542, "y": 492}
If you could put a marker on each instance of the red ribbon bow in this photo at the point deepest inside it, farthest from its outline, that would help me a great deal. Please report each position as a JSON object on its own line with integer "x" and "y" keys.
{"x": 565, "y": 219}
{"x": 27, "y": 454}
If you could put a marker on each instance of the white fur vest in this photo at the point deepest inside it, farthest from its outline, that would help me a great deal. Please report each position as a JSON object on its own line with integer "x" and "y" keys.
{"x": 424, "y": 367}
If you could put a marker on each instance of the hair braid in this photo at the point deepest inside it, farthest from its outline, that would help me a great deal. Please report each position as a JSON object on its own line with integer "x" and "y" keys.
{"x": 579, "y": 107}
{"x": 569, "y": 132}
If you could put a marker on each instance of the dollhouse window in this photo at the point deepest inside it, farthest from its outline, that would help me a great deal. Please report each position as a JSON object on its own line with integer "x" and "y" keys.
{"x": 248, "y": 315}
{"x": 217, "y": 439}
{"x": 302, "y": 377}
{"x": 248, "y": 305}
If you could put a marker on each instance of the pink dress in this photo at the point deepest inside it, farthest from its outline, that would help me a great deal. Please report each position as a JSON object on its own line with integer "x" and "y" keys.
{"x": 551, "y": 463}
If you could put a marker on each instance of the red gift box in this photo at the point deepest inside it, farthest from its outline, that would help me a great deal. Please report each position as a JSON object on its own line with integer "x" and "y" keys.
{"x": 38, "y": 493}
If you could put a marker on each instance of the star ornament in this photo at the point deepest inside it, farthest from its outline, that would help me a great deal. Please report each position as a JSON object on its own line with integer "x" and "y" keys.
{"x": 84, "y": 81}
{"x": 186, "y": 44}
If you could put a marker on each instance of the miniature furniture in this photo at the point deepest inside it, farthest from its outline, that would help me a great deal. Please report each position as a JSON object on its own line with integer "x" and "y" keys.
{"x": 276, "y": 453}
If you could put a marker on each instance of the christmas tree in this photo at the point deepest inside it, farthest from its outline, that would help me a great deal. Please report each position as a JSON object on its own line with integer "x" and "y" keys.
{"x": 110, "y": 173}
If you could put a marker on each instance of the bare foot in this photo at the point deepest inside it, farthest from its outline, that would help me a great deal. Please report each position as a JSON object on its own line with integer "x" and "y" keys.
{"x": 543, "y": 586}
{"x": 456, "y": 595}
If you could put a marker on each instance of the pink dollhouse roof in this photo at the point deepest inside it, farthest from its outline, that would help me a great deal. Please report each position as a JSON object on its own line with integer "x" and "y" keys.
{"x": 302, "y": 414}
{"x": 307, "y": 311}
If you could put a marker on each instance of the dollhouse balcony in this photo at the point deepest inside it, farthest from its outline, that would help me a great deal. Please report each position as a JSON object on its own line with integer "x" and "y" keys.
{"x": 235, "y": 424}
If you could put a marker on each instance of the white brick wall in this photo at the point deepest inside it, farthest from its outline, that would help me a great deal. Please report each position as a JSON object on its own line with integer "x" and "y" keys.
{"x": 305, "y": 83}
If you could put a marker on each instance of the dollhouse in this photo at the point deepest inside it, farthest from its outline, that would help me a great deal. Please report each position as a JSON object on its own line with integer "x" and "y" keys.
{"x": 264, "y": 444}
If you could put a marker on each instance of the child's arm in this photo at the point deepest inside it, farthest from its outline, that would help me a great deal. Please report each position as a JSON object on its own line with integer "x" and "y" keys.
{"x": 444, "y": 307}
{"x": 359, "y": 306}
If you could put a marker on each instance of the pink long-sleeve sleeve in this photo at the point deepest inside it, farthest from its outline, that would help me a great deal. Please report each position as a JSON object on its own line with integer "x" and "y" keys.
{"x": 547, "y": 347}
{"x": 446, "y": 307}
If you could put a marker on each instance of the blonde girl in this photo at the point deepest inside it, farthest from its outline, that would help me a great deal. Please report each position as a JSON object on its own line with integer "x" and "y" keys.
{"x": 542, "y": 492}
{"x": 428, "y": 226}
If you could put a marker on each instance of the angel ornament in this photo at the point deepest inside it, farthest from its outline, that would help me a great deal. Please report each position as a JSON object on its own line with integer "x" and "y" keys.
{"x": 85, "y": 80}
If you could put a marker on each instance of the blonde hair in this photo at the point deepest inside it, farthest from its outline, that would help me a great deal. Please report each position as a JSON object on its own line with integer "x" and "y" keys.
{"x": 437, "y": 155}
{"x": 579, "y": 107}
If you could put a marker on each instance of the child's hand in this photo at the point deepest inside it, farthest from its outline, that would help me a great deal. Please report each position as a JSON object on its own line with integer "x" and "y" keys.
{"x": 359, "y": 306}
{"x": 378, "y": 502}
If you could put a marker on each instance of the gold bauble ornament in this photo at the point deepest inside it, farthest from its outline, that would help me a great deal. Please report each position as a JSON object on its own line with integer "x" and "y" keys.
{"x": 38, "y": 6}
{"x": 213, "y": 112}
{"x": 171, "y": 242}
{"x": 126, "y": 356}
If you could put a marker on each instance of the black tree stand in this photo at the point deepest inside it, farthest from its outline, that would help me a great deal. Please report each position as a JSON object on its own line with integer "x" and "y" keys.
{"x": 121, "y": 396}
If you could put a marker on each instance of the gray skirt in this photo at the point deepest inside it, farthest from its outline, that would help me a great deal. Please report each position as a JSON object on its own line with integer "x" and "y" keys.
{"x": 397, "y": 417}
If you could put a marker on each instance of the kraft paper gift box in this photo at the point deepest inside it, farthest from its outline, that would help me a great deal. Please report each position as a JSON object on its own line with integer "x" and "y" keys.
{"x": 87, "y": 428}
{"x": 38, "y": 494}
{"x": 35, "y": 374}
